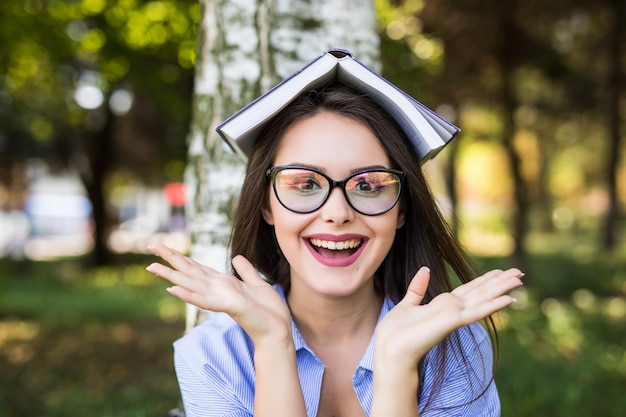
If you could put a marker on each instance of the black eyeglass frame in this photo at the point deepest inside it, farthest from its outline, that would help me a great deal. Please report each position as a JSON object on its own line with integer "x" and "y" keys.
{"x": 273, "y": 171}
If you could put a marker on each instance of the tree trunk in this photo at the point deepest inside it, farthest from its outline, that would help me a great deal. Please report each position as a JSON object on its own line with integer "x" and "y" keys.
{"x": 99, "y": 149}
{"x": 506, "y": 53}
{"x": 614, "y": 89}
{"x": 520, "y": 196}
{"x": 245, "y": 47}
{"x": 451, "y": 186}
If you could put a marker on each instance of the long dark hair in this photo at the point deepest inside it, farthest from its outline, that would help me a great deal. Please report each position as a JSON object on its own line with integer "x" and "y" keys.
{"x": 425, "y": 238}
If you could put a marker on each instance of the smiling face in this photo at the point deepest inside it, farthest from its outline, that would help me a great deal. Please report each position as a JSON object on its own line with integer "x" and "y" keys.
{"x": 333, "y": 251}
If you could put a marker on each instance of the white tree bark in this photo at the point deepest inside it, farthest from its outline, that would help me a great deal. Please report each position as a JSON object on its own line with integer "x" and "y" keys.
{"x": 245, "y": 47}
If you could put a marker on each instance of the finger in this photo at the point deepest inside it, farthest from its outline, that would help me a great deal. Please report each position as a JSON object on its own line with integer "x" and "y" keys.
{"x": 191, "y": 280}
{"x": 206, "y": 292}
{"x": 158, "y": 269}
{"x": 488, "y": 279}
{"x": 504, "y": 281}
{"x": 489, "y": 289}
{"x": 417, "y": 288}
{"x": 247, "y": 271}
{"x": 176, "y": 259}
{"x": 468, "y": 286}
{"x": 167, "y": 273}
{"x": 199, "y": 300}
{"x": 485, "y": 309}
{"x": 182, "y": 293}
{"x": 161, "y": 250}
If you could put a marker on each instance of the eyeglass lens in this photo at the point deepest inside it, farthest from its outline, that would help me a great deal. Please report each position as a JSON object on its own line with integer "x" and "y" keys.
{"x": 369, "y": 192}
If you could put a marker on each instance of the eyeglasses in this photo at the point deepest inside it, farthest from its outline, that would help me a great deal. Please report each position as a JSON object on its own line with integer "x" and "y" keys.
{"x": 303, "y": 190}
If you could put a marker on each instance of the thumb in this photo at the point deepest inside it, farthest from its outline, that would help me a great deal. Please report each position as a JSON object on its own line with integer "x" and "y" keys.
{"x": 246, "y": 270}
{"x": 417, "y": 288}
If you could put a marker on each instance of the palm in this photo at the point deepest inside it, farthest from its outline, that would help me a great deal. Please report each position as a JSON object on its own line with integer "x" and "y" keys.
{"x": 252, "y": 302}
{"x": 410, "y": 329}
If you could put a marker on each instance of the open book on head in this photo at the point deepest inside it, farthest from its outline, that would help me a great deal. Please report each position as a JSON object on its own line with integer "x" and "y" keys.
{"x": 427, "y": 131}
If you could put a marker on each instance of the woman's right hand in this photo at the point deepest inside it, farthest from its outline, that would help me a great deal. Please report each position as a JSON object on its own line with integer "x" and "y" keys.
{"x": 252, "y": 302}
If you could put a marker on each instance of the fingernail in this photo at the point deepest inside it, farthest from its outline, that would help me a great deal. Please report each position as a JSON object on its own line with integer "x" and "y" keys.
{"x": 150, "y": 270}
{"x": 514, "y": 300}
{"x": 425, "y": 268}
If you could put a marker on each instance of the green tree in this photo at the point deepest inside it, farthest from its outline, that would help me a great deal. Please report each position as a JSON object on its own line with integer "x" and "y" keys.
{"x": 66, "y": 64}
{"x": 548, "y": 71}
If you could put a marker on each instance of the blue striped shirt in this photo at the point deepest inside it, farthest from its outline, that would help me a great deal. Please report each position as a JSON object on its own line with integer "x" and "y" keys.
{"x": 215, "y": 370}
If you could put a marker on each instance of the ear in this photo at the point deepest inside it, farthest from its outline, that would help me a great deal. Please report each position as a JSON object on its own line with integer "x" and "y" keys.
{"x": 401, "y": 215}
{"x": 401, "y": 219}
{"x": 266, "y": 211}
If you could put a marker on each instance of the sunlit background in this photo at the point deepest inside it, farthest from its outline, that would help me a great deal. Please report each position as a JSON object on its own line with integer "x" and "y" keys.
{"x": 95, "y": 106}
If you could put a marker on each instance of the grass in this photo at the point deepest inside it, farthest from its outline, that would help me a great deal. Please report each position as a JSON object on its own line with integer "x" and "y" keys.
{"x": 77, "y": 341}
{"x": 563, "y": 344}
{"x": 97, "y": 341}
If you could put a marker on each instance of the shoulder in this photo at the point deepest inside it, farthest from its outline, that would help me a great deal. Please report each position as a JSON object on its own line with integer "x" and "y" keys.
{"x": 474, "y": 339}
{"x": 217, "y": 350}
{"x": 458, "y": 375}
{"x": 215, "y": 370}
{"x": 469, "y": 347}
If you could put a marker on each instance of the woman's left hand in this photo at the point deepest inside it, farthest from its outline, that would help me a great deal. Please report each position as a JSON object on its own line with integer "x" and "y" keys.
{"x": 410, "y": 329}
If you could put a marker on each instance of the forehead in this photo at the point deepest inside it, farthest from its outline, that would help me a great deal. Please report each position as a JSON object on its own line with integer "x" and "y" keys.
{"x": 334, "y": 143}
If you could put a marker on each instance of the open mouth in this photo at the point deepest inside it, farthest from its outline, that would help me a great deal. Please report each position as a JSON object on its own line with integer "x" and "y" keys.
{"x": 333, "y": 249}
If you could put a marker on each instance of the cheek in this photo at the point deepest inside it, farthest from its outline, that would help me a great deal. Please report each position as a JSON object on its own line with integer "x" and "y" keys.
{"x": 388, "y": 237}
{"x": 288, "y": 228}
{"x": 287, "y": 225}
{"x": 386, "y": 229}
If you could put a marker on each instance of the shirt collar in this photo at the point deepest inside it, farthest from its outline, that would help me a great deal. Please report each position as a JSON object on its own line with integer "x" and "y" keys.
{"x": 298, "y": 340}
{"x": 367, "y": 362}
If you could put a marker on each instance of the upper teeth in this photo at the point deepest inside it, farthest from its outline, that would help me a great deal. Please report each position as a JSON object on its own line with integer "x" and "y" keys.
{"x": 332, "y": 245}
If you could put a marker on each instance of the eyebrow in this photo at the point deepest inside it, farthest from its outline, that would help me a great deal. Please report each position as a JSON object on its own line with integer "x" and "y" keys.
{"x": 322, "y": 169}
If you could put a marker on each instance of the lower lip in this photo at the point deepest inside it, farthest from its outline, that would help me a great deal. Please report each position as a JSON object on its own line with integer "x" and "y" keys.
{"x": 336, "y": 262}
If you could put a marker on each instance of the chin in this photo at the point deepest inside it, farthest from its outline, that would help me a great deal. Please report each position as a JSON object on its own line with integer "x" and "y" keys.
{"x": 337, "y": 285}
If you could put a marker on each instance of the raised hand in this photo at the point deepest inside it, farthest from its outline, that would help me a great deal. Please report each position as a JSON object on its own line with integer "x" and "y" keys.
{"x": 252, "y": 302}
{"x": 409, "y": 330}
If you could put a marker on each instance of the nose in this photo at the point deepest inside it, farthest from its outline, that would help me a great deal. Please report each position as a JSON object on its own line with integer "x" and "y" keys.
{"x": 336, "y": 209}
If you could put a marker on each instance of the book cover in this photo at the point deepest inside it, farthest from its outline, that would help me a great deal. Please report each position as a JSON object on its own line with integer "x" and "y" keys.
{"x": 427, "y": 131}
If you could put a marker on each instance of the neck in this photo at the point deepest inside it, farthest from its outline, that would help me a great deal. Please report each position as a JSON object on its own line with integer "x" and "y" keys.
{"x": 323, "y": 319}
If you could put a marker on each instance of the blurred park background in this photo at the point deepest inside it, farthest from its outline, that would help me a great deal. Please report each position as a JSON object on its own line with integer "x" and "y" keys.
{"x": 96, "y": 103}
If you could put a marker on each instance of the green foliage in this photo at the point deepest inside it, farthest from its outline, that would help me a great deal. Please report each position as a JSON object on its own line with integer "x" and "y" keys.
{"x": 528, "y": 78}
{"x": 50, "y": 47}
{"x": 562, "y": 344}
{"x": 77, "y": 341}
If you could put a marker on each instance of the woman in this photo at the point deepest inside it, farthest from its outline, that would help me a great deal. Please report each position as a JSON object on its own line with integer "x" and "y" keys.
{"x": 356, "y": 313}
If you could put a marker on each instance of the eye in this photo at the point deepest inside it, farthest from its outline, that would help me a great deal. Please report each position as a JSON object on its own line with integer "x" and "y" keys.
{"x": 307, "y": 184}
{"x": 371, "y": 184}
{"x": 364, "y": 186}
{"x": 303, "y": 183}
